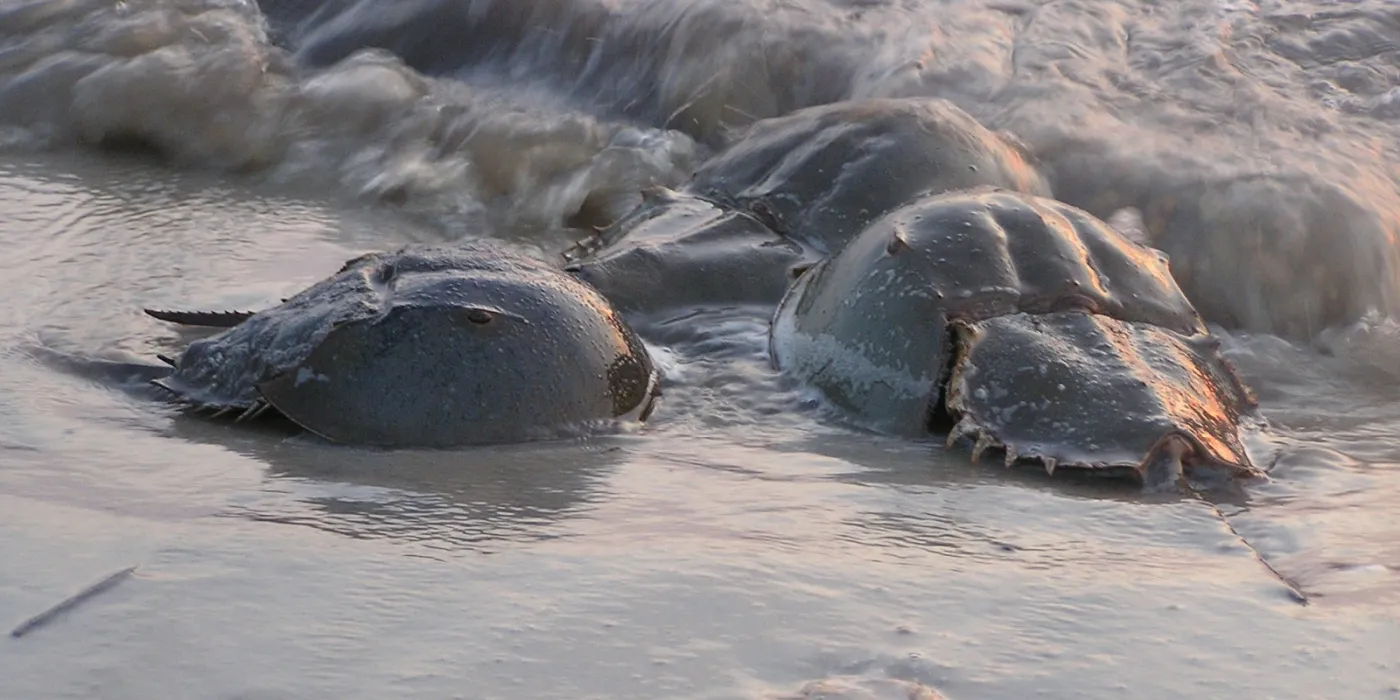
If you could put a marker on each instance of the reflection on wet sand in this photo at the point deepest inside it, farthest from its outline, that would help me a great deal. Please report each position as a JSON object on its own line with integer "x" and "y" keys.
{"x": 469, "y": 499}
{"x": 465, "y": 498}
{"x": 944, "y": 505}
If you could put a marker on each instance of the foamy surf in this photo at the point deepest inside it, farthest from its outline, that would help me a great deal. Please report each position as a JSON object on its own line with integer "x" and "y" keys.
{"x": 199, "y": 82}
{"x": 1257, "y": 140}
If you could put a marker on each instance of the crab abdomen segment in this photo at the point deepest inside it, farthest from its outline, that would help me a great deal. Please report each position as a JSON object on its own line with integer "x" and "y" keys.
{"x": 1088, "y": 390}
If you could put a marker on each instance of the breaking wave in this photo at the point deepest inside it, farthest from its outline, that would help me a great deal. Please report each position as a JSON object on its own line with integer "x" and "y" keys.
{"x": 1255, "y": 143}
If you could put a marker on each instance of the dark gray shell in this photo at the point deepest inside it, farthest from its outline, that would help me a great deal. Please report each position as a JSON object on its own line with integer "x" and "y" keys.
{"x": 793, "y": 190}
{"x": 428, "y": 346}
{"x": 677, "y": 250}
{"x": 1055, "y": 337}
{"x": 822, "y": 174}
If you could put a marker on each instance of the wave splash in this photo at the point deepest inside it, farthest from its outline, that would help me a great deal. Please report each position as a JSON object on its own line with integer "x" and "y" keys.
{"x": 1255, "y": 142}
{"x": 199, "y": 82}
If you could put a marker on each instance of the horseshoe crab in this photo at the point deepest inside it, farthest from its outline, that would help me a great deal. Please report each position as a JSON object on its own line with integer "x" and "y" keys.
{"x": 1022, "y": 324}
{"x": 424, "y": 347}
{"x": 792, "y": 190}
{"x": 676, "y": 250}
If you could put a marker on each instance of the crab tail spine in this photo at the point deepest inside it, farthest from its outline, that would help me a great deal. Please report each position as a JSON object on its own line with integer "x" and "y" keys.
{"x": 1011, "y": 456}
{"x": 1294, "y": 590}
{"x": 1050, "y": 464}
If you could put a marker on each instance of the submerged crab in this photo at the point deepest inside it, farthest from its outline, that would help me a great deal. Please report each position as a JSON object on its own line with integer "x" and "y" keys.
{"x": 1027, "y": 325}
{"x": 424, "y": 346}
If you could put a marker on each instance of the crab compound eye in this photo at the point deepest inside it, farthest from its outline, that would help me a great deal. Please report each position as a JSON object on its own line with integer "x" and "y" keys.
{"x": 480, "y": 317}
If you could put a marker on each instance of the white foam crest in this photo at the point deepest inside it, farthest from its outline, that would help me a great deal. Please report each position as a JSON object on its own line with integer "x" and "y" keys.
{"x": 198, "y": 81}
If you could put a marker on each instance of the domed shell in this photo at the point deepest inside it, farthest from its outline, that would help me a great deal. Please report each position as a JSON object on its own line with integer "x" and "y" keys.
{"x": 957, "y": 290}
{"x": 821, "y": 174}
{"x": 429, "y": 346}
{"x": 790, "y": 191}
{"x": 678, "y": 250}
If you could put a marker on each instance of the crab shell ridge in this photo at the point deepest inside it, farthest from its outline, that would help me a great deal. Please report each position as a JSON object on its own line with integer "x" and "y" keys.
{"x": 1028, "y": 325}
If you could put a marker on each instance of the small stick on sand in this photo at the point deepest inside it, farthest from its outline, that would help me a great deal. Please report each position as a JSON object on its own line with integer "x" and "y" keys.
{"x": 69, "y": 603}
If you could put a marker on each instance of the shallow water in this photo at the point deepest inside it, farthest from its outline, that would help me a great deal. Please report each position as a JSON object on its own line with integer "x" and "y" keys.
{"x": 742, "y": 544}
